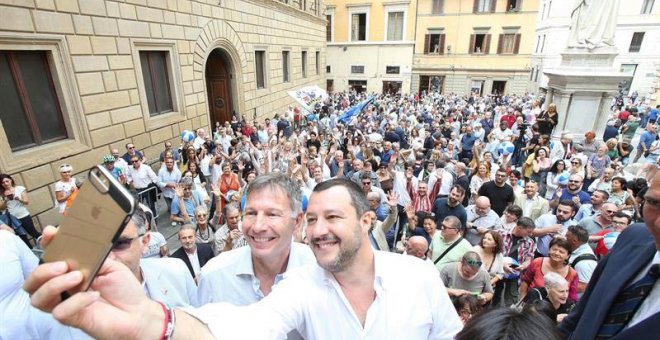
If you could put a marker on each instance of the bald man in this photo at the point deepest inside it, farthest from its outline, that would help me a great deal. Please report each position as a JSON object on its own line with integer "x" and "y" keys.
{"x": 602, "y": 220}
{"x": 417, "y": 246}
{"x": 480, "y": 219}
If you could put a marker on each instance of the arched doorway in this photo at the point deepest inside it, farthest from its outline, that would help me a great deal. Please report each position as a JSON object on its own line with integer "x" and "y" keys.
{"x": 218, "y": 86}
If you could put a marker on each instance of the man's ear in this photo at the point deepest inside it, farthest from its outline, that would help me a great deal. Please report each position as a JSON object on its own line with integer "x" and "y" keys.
{"x": 145, "y": 242}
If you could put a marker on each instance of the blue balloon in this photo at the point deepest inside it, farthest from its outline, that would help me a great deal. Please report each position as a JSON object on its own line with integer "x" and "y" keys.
{"x": 505, "y": 148}
{"x": 187, "y": 136}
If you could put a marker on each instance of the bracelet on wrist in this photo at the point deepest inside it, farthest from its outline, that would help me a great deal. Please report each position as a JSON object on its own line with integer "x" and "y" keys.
{"x": 168, "y": 322}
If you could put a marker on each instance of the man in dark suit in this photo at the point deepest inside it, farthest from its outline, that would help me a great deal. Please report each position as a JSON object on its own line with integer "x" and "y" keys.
{"x": 194, "y": 255}
{"x": 622, "y": 299}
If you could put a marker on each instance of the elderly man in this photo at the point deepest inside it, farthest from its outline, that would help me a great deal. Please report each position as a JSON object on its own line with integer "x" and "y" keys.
{"x": 338, "y": 162}
{"x": 582, "y": 258}
{"x": 450, "y": 246}
{"x": 418, "y": 246}
{"x": 604, "y": 182}
{"x": 187, "y": 200}
{"x": 532, "y": 204}
{"x": 360, "y": 288}
{"x": 140, "y": 177}
{"x": 467, "y": 277}
{"x": 480, "y": 219}
{"x": 194, "y": 255}
{"x": 378, "y": 231}
{"x": 598, "y": 197}
{"x": 230, "y": 235}
{"x": 248, "y": 274}
{"x": 599, "y": 222}
{"x": 498, "y": 191}
{"x": 200, "y": 139}
{"x": 550, "y": 225}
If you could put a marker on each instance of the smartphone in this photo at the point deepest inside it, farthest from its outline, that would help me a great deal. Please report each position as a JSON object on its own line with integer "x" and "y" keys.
{"x": 91, "y": 226}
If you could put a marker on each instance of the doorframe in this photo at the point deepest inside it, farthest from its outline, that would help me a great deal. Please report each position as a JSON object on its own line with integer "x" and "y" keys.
{"x": 234, "y": 68}
{"x": 223, "y": 58}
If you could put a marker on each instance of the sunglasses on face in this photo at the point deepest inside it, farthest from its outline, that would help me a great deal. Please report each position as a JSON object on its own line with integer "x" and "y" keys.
{"x": 134, "y": 161}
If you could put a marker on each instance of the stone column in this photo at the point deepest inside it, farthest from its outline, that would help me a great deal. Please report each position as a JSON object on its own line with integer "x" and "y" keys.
{"x": 561, "y": 100}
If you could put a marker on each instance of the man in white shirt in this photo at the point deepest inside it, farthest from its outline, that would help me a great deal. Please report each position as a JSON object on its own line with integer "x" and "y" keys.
{"x": 480, "y": 219}
{"x": 551, "y": 225}
{"x": 168, "y": 178}
{"x": 200, "y": 139}
{"x": 230, "y": 235}
{"x": 582, "y": 258}
{"x": 361, "y": 289}
{"x": 139, "y": 177}
{"x": 246, "y": 275}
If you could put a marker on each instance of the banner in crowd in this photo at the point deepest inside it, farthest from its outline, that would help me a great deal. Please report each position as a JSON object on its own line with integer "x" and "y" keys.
{"x": 355, "y": 110}
{"x": 308, "y": 97}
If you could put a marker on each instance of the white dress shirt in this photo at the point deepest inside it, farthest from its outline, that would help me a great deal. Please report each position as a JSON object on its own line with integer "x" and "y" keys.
{"x": 411, "y": 303}
{"x": 142, "y": 176}
{"x": 194, "y": 262}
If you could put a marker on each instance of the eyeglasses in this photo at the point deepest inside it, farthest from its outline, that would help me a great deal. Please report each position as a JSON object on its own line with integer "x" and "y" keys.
{"x": 473, "y": 263}
{"x": 131, "y": 147}
{"x": 123, "y": 243}
{"x": 366, "y": 183}
{"x": 134, "y": 160}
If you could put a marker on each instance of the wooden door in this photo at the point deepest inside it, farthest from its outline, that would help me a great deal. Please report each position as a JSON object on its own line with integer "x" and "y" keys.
{"x": 218, "y": 83}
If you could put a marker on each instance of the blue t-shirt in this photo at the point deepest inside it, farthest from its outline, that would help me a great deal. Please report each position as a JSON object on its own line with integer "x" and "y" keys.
{"x": 191, "y": 203}
{"x": 584, "y": 196}
{"x": 647, "y": 138}
{"x": 467, "y": 142}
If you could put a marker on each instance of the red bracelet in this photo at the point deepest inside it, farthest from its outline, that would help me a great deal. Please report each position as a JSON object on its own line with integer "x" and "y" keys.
{"x": 168, "y": 323}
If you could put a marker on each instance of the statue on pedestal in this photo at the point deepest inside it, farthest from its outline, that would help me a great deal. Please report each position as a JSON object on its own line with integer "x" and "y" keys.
{"x": 593, "y": 23}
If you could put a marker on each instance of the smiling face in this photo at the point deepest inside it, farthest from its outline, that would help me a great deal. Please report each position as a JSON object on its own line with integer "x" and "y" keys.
{"x": 269, "y": 223}
{"x": 335, "y": 231}
{"x": 558, "y": 254}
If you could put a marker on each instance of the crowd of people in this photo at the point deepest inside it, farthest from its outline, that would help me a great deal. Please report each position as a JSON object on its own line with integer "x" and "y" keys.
{"x": 507, "y": 223}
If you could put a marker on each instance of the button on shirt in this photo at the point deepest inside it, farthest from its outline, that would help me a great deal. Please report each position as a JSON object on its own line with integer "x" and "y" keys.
{"x": 168, "y": 177}
{"x": 142, "y": 176}
{"x": 545, "y": 221}
{"x": 411, "y": 302}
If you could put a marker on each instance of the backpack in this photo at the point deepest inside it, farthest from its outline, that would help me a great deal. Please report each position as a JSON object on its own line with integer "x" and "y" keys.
{"x": 583, "y": 257}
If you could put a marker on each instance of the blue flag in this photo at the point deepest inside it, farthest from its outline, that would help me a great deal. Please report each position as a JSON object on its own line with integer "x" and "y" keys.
{"x": 355, "y": 110}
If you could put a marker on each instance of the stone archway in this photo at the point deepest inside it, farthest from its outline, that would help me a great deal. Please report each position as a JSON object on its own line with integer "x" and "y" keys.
{"x": 218, "y": 87}
{"x": 218, "y": 41}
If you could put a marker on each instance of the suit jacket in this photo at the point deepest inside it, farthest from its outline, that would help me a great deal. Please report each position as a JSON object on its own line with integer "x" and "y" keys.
{"x": 382, "y": 228}
{"x": 540, "y": 205}
{"x": 204, "y": 254}
{"x": 167, "y": 282}
{"x": 633, "y": 250}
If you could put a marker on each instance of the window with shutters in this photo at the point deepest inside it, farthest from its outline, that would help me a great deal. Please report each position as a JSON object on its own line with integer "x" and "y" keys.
{"x": 513, "y": 5}
{"x": 480, "y": 43}
{"x": 647, "y": 6}
{"x": 431, "y": 83}
{"x": 392, "y": 69}
{"x": 286, "y": 62}
{"x": 434, "y": 44}
{"x": 394, "y": 26}
{"x": 508, "y": 44}
{"x": 358, "y": 26}
{"x": 358, "y": 69}
{"x": 31, "y": 113}
{"x": 484, "y": 6}
{"x": 636, "y": 42}
{"x": 437, "y": 6}
{"x": 155, "y": 74}
{"x": 328, "y": 28}
{"x": 328, "y": 69}
{"x": 260, "y": 68}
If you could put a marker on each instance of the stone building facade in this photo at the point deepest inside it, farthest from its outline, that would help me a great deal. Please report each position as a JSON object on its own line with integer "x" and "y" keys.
{"x": 89, "y": 75}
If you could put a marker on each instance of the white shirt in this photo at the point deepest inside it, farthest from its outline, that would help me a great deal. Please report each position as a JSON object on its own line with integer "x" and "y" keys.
{"x": 411, "y": 303}
{"x": 194, "y": 262}
{"x": 230, "y": 277}
{"x": 66, "y": 188}
{"x": 584, "y": 268}
{"x": 142, "y": 176}
{"x": 545, "y": 221}
{"x": 16, "y": 208}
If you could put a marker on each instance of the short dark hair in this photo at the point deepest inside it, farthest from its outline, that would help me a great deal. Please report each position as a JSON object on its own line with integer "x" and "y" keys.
{"x": 621, "y": 214}
{"x": 514, "y": 209}
{"x": 569, "y": 203}
{"x": 560, "y": 242}
{"x": 580, "y": 233}
{"x": 603, "y": 192}
{"x": 358, "y": 198}
{"x": 508, "y": 323}
{"x": 526, "y": 223}
{"x": 459, "y": 188}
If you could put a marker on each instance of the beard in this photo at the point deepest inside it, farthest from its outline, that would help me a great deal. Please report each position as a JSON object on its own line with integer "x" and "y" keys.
{"x": 348, "y": 249}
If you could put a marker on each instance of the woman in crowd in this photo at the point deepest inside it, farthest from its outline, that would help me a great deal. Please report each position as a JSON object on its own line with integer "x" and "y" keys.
{"x": 157, "y": 246}
{"x": 547, "y": 120}
{"x": 490, "y": 251}
{"x": 552, "y": 180}
{"x": 480, "y": 177}
{"x": 190, "y": 155}
{"x": 509, "y": 218}
{"x": 204, "y": 231}
{"x": 612, "y": 150}
{"x": 515, "y": 178}
{"x": 65, "y": 187}
{"x": 555, "y": 291}
{"x": 199, "y": 180}
{"x": 621, "y": 196}
{"x": 590, "y": 144}
{"x": 556, "y": 262}
{"x": 227, "y": 181}
{"x": 596, "y": 165}
{"x": 576, "y": 167}
{"x": 466, "y": 306}
{"x": 16, "y": 197}
{"x": 540, "y": 167}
